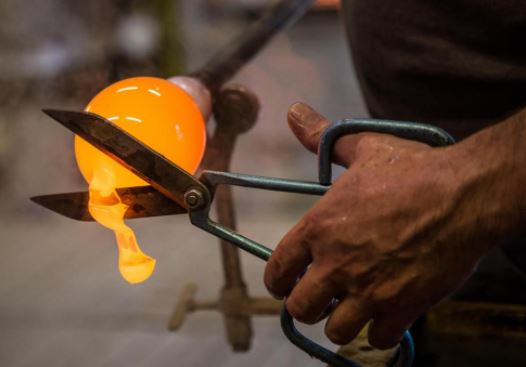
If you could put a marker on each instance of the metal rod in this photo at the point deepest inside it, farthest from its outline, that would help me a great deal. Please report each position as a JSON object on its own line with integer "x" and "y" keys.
{"x": 235, "y": 111}
{"x": 220, "y": 151}
{"x": 264, "y": 183}
{"x": 200, "y": 219}
{"x": 230, "y": 59}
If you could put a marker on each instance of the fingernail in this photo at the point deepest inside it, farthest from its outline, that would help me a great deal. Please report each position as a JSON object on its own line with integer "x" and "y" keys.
{"x": 301, "y": 114}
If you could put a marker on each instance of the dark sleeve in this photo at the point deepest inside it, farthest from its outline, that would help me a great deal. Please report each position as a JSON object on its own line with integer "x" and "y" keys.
{"x": 460, "y": 64}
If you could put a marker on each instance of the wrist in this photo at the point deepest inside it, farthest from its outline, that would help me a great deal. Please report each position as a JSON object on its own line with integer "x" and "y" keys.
{"x": 491, "y": 185}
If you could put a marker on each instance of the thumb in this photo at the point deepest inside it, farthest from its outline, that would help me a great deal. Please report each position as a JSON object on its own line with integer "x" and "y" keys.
{"x": 308, "y": 126}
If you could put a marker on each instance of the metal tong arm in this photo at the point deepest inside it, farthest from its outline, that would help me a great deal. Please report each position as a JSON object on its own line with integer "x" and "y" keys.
{"x": 215, "y": 178}
{"x": 199, "y": 216}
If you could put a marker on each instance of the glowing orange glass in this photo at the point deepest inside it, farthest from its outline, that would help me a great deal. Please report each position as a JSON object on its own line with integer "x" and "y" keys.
{"x": 162, "y": 116}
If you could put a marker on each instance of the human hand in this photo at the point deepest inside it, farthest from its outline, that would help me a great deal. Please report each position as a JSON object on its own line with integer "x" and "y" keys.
{"x": 390, "y": 238}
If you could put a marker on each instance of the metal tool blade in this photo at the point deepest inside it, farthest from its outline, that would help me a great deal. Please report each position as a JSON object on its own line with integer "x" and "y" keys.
{"x": 142, "y": 201}
{"x": 164, "y": 175}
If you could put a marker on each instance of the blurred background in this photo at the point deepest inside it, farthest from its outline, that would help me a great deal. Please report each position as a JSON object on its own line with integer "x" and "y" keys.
{"x": 62, "y": 300}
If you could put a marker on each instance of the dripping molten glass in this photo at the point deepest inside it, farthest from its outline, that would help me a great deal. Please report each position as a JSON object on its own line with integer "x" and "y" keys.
{"x": 162, "y": 116}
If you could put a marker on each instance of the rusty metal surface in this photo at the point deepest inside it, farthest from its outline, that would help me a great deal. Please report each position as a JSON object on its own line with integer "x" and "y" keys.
{"x": 164, "y": 175}
{"x": 235, "y": 111}
{"x": 142, "y": 201}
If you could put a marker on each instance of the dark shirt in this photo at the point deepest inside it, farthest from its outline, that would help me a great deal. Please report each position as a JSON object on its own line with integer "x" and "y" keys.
{"x": 459, "y": 64}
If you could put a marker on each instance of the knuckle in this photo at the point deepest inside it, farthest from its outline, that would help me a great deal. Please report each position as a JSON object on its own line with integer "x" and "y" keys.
{"x": 299, "y": 310}
{"x": 269, "y": 284}
{"x": 310, "y": 226}
{"x": 273, "y": 273}
{"x": 334, "y": 275}
{"x": 308, "y": 319}
{"x": 365, "y": 141}
{"x": 337, "y": 335}
{"x": 316, "y": 226}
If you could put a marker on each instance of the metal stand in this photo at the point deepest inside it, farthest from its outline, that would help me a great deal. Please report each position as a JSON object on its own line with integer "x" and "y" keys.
{"x": 235, "y": 111}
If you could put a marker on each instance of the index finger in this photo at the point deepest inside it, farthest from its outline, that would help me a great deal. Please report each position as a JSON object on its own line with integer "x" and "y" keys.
{"x": 289, "y": 259}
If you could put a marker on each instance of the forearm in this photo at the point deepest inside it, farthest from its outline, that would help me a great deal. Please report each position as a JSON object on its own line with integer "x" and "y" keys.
{"x": 491, "y": 169}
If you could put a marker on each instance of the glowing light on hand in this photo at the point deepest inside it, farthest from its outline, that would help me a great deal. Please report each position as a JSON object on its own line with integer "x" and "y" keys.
{"x": 162, "y": 116}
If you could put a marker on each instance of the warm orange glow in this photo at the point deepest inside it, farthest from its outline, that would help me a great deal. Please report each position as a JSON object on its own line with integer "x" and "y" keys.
{"x": 163, "y": 117}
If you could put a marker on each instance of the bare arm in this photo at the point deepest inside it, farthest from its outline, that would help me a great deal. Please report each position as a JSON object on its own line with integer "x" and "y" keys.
{"x": 401, "y": 228}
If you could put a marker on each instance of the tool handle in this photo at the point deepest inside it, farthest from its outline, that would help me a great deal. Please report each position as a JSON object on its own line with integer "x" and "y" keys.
{"x": 424, "y": 133}
{"x": 404, "y": 357}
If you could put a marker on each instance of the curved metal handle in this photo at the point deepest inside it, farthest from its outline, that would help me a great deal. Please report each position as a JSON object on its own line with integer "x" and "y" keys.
{"x": 424, "y": 133}
{"x": 404, "y": 357}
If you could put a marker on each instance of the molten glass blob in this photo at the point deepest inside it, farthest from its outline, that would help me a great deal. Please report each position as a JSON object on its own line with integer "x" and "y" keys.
{"x": 162, "y": 116}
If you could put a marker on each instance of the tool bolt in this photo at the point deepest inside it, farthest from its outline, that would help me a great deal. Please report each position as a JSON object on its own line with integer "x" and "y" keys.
{"x": 193, "y": 198}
